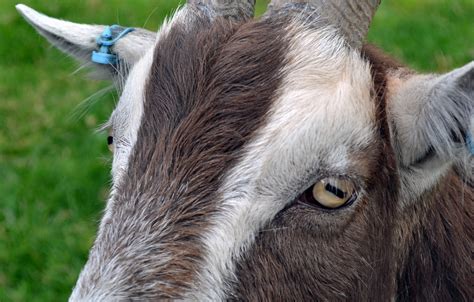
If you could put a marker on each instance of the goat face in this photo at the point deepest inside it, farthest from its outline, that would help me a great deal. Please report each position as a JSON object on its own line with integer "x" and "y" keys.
{"x": 275, "y": 159}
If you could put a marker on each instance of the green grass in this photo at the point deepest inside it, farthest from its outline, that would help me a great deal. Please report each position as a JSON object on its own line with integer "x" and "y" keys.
{"x": 54, "y": 169}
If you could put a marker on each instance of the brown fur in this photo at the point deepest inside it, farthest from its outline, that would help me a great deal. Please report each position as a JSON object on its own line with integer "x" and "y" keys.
{"x": 298, "y": 257}
{"x": 434, "y": 235}
{"x": 436, "y": 238}
{"x": 304, "y": 254}
{"x": 210, "y": 88}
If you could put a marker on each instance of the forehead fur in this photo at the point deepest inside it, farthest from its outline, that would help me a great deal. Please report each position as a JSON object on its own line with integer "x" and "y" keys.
{"x": 220, "y": 96}
{"x": 323, "y": 114}
{"x": 209, "y": 88}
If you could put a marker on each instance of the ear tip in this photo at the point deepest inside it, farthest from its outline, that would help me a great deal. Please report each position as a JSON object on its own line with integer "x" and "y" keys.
{"x": 22, "y": 9}
{"x": 26, "y": 11}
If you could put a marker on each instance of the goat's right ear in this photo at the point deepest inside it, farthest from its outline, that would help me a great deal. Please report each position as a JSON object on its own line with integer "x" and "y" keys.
{"x": 80, "y": 40}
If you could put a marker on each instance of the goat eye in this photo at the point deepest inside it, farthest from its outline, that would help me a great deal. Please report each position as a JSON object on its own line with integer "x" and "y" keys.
{"x": 330, "y": 193}
{"x": 110, "y": 142}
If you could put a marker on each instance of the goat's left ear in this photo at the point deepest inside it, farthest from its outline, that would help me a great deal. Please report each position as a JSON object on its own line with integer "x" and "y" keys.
{"x": 80, "y": 40}
{"x": 431, "y": 114}
{"x": 431, "y": 118}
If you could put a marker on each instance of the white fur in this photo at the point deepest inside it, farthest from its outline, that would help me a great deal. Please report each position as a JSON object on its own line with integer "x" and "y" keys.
{"x": 79, "y": 34}
{"x": 323, "y": 109}
{"x": 124, "y": 124}
{"x": 126, "y": 118}
{"x": 79, "y": 40}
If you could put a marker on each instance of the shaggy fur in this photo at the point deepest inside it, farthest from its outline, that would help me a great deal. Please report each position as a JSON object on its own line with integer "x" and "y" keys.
{"x": 345, "y": 251}
{"x": 220, "y": 87}
{"x": 436, "y": 238}
{"x": 199, "y": 111}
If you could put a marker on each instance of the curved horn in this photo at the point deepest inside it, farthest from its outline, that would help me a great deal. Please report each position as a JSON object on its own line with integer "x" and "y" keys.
{"x": 352, "y": 17}
{"x": 238, "y": 9}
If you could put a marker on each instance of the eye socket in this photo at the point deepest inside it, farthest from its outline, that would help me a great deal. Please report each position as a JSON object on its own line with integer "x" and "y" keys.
{"x": 330, "y": 193}
{"x": 110, "y": 143}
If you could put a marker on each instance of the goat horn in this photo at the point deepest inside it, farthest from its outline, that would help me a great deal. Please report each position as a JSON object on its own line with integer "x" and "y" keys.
{"x": 352, "y": 17}
{"x": 241, "y": 9}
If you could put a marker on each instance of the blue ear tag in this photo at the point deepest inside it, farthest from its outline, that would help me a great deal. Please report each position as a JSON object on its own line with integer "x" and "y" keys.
{"x": 470, "y": 144}
{"x": 107, "y": 39}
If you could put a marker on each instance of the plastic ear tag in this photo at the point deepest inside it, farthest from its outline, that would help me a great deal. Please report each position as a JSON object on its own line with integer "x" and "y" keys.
{"x": 107, "y": 39}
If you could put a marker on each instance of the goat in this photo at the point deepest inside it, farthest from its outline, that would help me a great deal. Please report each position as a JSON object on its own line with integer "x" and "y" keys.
{"x": 277, "y": 159}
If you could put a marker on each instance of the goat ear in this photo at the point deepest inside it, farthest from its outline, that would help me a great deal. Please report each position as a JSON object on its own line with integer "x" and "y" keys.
{"x": 80, "y": 40}
{"x": 431, "y": 119}
{"x": 432, "y": 114}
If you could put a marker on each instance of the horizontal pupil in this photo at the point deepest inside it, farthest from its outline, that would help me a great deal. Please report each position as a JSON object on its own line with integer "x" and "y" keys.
{"x": 336, "y": 191}
{"x": 110, "y": 140}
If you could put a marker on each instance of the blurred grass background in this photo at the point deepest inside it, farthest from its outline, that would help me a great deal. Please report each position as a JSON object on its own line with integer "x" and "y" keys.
{"x": 54, "y": 169}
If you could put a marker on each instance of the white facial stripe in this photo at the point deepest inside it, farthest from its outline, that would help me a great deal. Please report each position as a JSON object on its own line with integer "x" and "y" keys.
{"x": 127, "y": 116}
{"x": 324, "y": 107}
{"x": 126, "y": 119}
